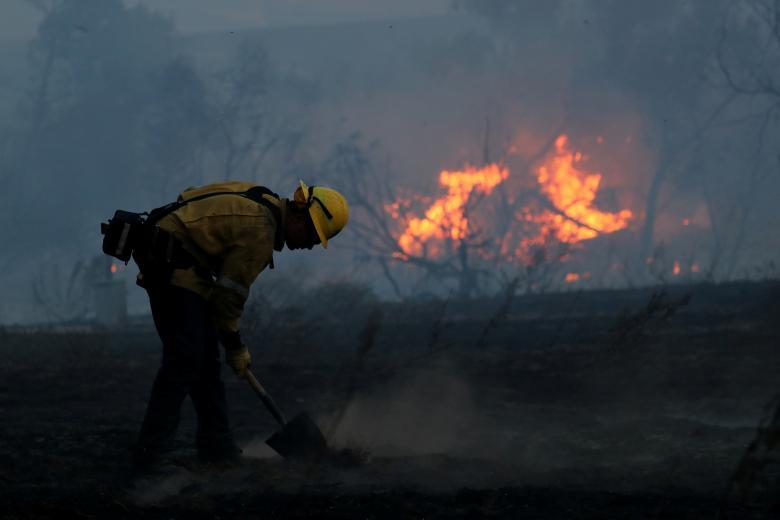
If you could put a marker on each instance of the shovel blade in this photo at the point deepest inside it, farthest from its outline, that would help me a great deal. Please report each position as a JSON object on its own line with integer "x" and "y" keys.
{"x": 301, "y": 438}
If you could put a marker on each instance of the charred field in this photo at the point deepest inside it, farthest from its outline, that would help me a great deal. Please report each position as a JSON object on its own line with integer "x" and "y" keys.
{"x": 646, "y": 403}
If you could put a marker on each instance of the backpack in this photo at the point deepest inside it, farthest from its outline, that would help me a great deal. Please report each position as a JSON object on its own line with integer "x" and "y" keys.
{"x": 128, "y": 231}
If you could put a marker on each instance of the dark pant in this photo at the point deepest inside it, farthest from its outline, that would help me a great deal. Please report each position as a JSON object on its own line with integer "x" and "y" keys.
{"x": 190, "y": 366}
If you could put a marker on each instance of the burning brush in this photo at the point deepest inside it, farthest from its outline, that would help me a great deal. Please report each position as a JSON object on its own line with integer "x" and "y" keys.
{"x": 567, "y": 212}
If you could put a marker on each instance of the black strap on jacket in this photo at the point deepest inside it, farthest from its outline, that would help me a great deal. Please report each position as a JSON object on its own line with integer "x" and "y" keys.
{"x": 255, "y": 193}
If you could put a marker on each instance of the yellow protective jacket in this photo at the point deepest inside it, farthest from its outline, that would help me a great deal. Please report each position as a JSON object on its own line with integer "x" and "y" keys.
{"x": 231, "y": 235}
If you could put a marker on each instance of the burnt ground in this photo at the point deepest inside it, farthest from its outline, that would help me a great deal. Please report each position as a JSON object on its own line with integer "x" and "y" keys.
{"x": 611, "y": 404}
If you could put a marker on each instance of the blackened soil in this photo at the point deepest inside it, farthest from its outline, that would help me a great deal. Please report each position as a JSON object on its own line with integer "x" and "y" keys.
{"x": 567, "y": 406}
{"x": 394, "y": 504}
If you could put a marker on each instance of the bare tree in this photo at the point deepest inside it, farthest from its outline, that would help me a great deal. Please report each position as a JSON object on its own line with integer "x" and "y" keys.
{"x": 177, "y": 125}
{"x": 475, "y": 258}
{"x": 381, "y": 209}
{"x": 62, "y": 297}
{"x": 82, "y": 112}
{"x": 248, "y": 122}
{"x": 46, "y": 52}
{"x": 748, "y": 58}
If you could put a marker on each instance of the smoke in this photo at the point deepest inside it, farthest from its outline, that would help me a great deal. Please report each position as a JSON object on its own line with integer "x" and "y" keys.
{"x": 429, "y": 413}
{"x": 409, "y": 428}
{"x": 420, "y": 430}
{"x": 155, "y": 490}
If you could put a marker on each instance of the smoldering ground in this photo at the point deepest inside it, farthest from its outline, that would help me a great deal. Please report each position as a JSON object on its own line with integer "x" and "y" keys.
{"x": 397, "y": 434}
{"x": 429, "y": 434}
{"x": 628, "y": 415}
{"x": 565, "y": 411}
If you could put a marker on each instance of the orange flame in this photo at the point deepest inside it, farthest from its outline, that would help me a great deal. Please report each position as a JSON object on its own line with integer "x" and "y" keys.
{"x": 114, "y": 269}
{"x": 572, "y": 193}
{"x": 446, "y": 217}
{"x": 568, "y": 216}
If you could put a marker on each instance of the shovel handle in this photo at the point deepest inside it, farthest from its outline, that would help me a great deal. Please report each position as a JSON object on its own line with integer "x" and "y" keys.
{"x": 266, "y": 398}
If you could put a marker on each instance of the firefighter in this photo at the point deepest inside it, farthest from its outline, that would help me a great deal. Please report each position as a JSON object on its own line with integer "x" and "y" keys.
{"x": 216, "y": 239}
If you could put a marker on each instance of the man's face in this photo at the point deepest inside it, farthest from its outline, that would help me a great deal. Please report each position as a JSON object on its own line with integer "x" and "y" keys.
{"x": 300, "y": 232}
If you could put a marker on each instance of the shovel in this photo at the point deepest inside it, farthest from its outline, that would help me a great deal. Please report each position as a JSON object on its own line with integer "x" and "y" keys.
{"x": 300, "y": 438}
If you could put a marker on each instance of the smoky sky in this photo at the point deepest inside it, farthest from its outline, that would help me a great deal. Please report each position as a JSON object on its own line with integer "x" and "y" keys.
{"x": 136, "y": 104}
{"x": 19, "y": 18}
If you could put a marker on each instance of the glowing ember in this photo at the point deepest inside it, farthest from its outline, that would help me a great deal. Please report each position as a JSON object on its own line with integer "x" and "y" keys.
{"x": 114, "y": 268}
{"x": 576, "y": 277}
{"x": 686, "y": 222}
{"x": 676, "y": 268}
{"x": 446, "y": 217}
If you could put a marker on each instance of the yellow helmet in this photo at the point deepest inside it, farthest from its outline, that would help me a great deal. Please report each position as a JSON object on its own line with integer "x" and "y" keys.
{"x": 328, "y": 210}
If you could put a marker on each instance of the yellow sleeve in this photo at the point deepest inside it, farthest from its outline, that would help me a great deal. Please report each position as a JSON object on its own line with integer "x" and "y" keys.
{"x": 247, "y": 249}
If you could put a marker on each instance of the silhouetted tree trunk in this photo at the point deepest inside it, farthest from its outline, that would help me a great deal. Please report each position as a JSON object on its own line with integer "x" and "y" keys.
{"x": 651, "y": 209}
